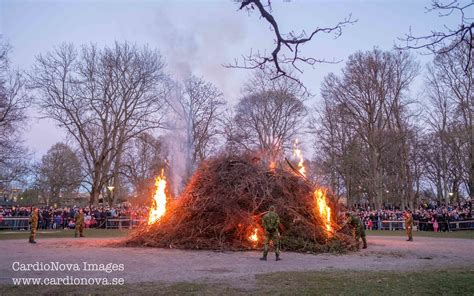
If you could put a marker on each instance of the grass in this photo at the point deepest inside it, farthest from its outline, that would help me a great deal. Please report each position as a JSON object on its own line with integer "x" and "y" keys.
{"x": 429, "y": 282}
{"x": 184, "y": 288}
{"x": 454, "y": 234}
{"x": 62, "y": 233}
{"x": 440, "y": 282}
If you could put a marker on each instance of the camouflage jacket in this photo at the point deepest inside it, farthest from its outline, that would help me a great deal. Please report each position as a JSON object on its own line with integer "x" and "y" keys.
{"x": 79, "y": 218}
{"x": 271, "y": 221}
{"x": 34, "y": 219}
{"x": 408, "y": 220}
{"x": 354, "y": 221}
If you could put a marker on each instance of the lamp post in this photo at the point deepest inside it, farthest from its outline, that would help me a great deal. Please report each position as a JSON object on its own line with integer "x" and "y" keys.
{"x": 111, "y": 189}
{"x": 450, "y": 197}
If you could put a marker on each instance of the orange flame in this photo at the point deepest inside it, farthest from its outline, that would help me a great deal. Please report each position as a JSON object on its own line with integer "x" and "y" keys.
{"x": 272, "y": 166}
{"x": 254, "y": 236}
{"x": 297, "y": 152}
{"x": 159, "y": 200}
{"x": 324, "y": 209}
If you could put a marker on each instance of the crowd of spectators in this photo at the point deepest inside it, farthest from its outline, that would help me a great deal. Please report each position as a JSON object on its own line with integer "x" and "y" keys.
{"x": 429, "y": 216}
{"x": 59, "y": 218}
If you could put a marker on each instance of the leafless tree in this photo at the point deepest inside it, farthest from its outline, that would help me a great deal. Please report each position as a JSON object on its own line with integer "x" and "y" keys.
{"x": 13, "y": 103}
{"x": 144, "y": 159}
{"x": 269, "y": 116}
{"x": 58, "y": 174}
{"x": 198, "y": 105}
{"x": 440, "y": 42}
{"x": 339, "y": 163}
{"x": 365, "y": 118}
{"x": 287, "y": 45}
{"x": 103, "y": 98}
{"x": 450, "y": 121}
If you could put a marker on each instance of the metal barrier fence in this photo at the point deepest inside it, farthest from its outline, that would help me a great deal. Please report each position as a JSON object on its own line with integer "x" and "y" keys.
{"x": 15, "y": 223}
{"x": 120, "y": 223}
{"x": 428, "y": 226}
{"x": 22, "y": 223}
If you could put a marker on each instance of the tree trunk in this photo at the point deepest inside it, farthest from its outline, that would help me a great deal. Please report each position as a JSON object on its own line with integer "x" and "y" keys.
{"x": 471, "y": 164}
{"x": 94, "y": 196}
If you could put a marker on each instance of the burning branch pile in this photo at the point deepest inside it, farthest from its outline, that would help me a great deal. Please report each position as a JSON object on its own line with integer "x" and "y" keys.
{"x": 222, "y": 206}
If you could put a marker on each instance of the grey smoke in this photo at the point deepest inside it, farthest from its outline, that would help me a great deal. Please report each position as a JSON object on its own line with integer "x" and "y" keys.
{"x": 200, "y": 49}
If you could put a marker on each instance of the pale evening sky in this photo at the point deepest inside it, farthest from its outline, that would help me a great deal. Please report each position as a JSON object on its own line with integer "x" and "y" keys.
{"x": 200, "y": 36}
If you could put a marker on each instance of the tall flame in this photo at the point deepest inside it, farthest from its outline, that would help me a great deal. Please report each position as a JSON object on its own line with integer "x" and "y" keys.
{"x": 324, "y": 209}
{"x": 272, "y": 166}
{"x": 254, "y": 236}
{"x": 297, "y": 152}
{"x": 158, "y": 208}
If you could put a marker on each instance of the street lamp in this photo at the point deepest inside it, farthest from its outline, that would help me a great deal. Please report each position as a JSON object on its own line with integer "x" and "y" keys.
{"x": 111, "y": 189}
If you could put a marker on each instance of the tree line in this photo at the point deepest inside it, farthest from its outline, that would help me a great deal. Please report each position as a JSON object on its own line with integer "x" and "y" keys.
{"x": 374, "y": 140}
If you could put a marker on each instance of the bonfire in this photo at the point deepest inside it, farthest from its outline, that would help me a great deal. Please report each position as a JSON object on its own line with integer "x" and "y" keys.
{"x": 222, "y": 205}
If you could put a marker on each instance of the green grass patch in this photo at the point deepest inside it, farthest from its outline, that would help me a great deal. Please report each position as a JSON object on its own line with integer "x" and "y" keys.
{"x": 428, "y": 282}
{"x": 62, "y": 233}
{"x": 128, "y": 289}
{"x": 453, "y": 234}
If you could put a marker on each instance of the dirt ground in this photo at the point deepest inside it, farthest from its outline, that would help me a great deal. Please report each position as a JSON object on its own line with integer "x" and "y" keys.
{"x": 237, "y": 268}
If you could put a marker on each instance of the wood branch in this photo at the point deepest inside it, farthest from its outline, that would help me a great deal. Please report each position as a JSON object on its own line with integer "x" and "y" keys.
{"x": 290, "y": 41}
{"x": 442, "y": 42}
{"x": 224, "y": 202}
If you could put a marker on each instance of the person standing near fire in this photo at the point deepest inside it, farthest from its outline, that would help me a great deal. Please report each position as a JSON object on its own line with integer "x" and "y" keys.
{"x": 33, "y": 224}
{"x": 79, "y": 221}
{"x": 357, "y": 227}
{"x": 409, "y": 225}
{"x": 271, "y": 222}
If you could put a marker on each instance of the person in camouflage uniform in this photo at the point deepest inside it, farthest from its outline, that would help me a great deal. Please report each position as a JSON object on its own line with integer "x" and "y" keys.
{"x": 33, "y": 225}
{"x": 79, "y": 220}
{"x": 271, "y": 222}
{"x": 357, "y": 228}
{"x": 409, "y": 225}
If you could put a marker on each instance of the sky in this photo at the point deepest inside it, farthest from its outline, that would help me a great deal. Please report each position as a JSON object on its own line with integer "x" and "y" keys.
{"x": 200, "y": 36}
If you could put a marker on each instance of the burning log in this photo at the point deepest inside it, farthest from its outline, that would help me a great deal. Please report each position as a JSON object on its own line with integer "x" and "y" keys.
{"x": 222, "y": 206}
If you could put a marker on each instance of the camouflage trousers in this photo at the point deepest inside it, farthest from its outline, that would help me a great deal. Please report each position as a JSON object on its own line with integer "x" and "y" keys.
{"x": 33, "y": 233}
{"x": 79, "y": 230}
{"x": 359, "y": 232}
{"x": 273, "y": 236}
{"x": 409, "y": 232}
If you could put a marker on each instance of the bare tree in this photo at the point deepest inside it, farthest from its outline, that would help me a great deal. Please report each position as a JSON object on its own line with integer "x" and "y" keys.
{"x": 143, "y": 161}
{"x": 450, "y": 121}
{"x": 269, "y": 116}
{"x": 58, "y": 174}
{"x": 440, "y": 42}
{"x": 199, "y": 104}
{"x": 13, "y": 103}
{"x": 102, "y": 98}
{"x": 290, "y": 43}
{"x": 370, "y": 118}
{"x": 337, "y": 159}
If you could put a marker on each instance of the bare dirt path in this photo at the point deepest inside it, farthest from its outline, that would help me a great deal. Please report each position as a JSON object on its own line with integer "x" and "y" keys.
{"x": 170, "y": 265}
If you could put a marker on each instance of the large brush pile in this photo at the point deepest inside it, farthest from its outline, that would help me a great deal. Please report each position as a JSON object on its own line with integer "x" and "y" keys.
{"x": 223, "y": 204}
